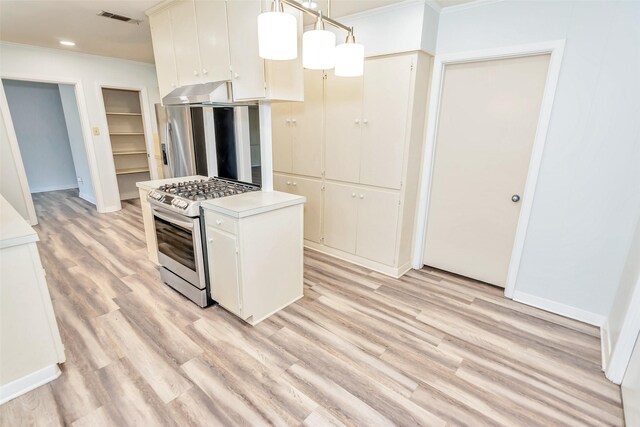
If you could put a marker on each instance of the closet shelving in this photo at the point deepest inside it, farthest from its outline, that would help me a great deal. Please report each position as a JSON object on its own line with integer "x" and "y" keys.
{"x": 128, "y": 141}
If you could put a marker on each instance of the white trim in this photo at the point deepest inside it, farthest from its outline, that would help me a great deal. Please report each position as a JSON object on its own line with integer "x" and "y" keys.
{"x": 266, "y": 145}
{"x": 379, "y": 10}
{"x": 594, "y": 319}
{"x": 556, "y": 49}
{"x": 621, "y": 353}
{"x": 29, "y": 382}
{"x": 84, "y": 122}
{"x": 17, "y": 157}
{"x": 54, "y": 188}
{"x": 470, "y": 5}
{"x": 605, "y": 344}
{"x": 89, "y": 198}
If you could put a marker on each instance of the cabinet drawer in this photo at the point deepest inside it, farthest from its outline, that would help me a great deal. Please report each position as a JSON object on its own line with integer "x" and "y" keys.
{"x": 221, "y": 222}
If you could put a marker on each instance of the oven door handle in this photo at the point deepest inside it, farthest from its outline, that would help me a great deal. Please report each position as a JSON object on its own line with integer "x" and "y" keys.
{"x": 175, "y": 219}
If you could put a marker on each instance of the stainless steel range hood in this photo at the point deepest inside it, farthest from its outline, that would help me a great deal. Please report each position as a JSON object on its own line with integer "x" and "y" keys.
{"x": 211, "y": 92}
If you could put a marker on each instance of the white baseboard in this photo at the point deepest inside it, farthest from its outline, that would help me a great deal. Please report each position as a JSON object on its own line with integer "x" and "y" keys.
{"x": 29, "y": 382}
{"x": 87, "y": 197}
{"x": 559, "y": 308}
{"x": 605, "y": 344}
{"x": 109, "y": 209}
{"x": 53, "y": 188}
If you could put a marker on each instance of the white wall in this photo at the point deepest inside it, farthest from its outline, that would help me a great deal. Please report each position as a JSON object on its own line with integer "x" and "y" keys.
{"x": 587, "y": 200}
{"x": 76, "y": 141}
{"x": 400, "y": 27}
{"x": 55, "y": 65}
{"x": 38, "y": 119}
{"x": 10, "y": 184}
{"x": 631, "y": 390}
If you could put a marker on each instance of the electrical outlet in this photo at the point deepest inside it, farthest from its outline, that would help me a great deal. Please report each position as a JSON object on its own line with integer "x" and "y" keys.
{"x": 96, "y": 131}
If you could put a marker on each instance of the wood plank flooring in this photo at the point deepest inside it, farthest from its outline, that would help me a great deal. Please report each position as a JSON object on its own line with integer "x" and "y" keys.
{"x": 360, "y": 348}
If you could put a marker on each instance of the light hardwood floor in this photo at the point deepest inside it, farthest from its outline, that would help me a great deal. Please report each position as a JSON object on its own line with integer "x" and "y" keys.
{"x": 359, "y": 349}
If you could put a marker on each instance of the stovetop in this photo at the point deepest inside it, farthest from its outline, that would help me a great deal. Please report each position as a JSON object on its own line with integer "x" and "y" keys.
{"x": 185, "y": 197}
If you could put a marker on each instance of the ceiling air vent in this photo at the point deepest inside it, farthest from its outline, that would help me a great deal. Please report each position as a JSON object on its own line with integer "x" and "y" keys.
{"x": 118, "y": 17}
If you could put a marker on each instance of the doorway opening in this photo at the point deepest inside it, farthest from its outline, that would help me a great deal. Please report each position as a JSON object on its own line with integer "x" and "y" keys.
{"x": 50, "y": 137}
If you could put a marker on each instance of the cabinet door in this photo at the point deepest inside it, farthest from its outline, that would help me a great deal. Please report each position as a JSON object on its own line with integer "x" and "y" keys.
{"x": 282, "y": 183}
{"x": 281, "y": 136}
{"x": 384, "y": 120}
{"x": 222, "y": 250}
{"x": 340, "y": 216}
{"x": 312, "y": 190}
{"x": 343, "y": 110}
{"x": 213, "y": 38}
{"x": 377, "y": 225}
{"x": 163, "y": 52}
{"x": 307, "y": 125}
{"x": 247, "y": 68}
{"x": 185, "y": 42}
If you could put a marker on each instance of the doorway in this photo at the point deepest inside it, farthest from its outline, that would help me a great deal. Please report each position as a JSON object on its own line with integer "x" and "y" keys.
{"x": 488, "y": 117}
{"x": 47, "y": 124}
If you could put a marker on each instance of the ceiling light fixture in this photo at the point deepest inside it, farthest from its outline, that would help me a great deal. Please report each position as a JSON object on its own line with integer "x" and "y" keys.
{"x": 275, "y": 40}
{"x": 319, "y": 47}
{"x": 277, "y": 34}
{"x": 67, "y": 43}
{"x": 349, "y": 58}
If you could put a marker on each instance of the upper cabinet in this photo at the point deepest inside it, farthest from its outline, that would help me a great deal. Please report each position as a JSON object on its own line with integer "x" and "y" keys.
{"x": 198, "y": 41}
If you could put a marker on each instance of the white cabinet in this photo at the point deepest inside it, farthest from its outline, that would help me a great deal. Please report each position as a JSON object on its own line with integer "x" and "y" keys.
{"x": 311, "y": 189}
{"x": 185, "y": 42}
{"x": 361, "y": 221}
{"x": 213, "y": 38}
{"x": 163, "y": 52}
{"x": 367, "y": 121}
{"x": 198, "y": 41}
{"x": 297, "y": 130}
{"x": 254, "y": 252}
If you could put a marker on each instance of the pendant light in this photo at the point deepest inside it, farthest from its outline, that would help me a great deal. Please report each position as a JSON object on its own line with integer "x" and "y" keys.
{"x": 349, "y": 57}
{"x": 318, "y": 47}
{"x": 277, "y": 34}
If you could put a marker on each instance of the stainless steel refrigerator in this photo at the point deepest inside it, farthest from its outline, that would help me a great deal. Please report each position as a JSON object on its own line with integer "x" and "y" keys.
{"x": 222, "y": 141}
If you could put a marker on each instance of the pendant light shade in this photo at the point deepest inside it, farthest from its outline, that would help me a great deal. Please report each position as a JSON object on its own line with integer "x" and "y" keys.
{"x": 318, "y": 48}
{"x": 277, "y": 35}
{"x": 349, "y": 58}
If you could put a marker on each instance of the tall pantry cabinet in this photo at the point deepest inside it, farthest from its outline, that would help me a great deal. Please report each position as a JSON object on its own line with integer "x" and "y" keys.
{"x": 353, "y": 149}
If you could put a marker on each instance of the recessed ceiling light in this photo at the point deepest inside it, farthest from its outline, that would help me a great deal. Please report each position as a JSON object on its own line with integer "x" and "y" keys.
{"x": 67, "y": 43}
{"x": 310, "y": 4}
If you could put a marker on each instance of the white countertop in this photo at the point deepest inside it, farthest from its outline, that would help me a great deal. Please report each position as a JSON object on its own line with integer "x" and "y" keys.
{"x": 152, "y": 185}
{"x": 252, "y": 203}
{"x": 14, "y": 230}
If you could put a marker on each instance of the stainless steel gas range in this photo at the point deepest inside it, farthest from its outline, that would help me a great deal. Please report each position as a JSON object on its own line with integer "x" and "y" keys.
{"x": 179, "y": 232}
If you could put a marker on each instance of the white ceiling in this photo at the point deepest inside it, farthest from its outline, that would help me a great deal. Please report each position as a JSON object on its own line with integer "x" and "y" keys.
{"x": 46, "y": 22}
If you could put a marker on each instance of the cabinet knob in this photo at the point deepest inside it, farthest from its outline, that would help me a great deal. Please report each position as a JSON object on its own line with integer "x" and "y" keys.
{"x": 205, "y": 72}
{"x": 294, "y": 121}
{"x": 362, "y": 196}
{"x": 218, "y": 221}
{"x": 288, "y": 121}
{"x": 236, "y": 75}
{"x": 365, "y": 121}
{"x": 295, "y": 183}
{"x": 210, "y": 240}
{"x": 357, "y": 121}
{"x": 173, "y": 85}
{"x": 288, "y": 182}
{"x": 353, "y": 194}
{"x": 195, "y": 73}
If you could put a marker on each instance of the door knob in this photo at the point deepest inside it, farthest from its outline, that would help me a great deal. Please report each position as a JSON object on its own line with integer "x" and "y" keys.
{"x": 515, "y": 198}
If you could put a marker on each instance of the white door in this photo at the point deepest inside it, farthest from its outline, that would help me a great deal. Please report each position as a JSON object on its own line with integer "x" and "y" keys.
{"x": 281, "y": 136}
{"x": 487, "y": 123}
{"x": 222, "y": 251}
{"x": 377, "y": 225}
{"x": 308, "y": 124}
{"x": 343, "y": 110}
{"x": 247, "y": 68}
{"x": 312, "y": 190}
{"x": 384, "y": 119}
{"x": 340, "y": 216}
{"x": 213, "y": 38}
{"x": 163, "y": 52}
{"x": 185, "y": 42}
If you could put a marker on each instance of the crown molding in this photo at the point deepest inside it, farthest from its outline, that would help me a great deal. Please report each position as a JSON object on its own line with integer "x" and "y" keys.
{"x": 470, "y": 5}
